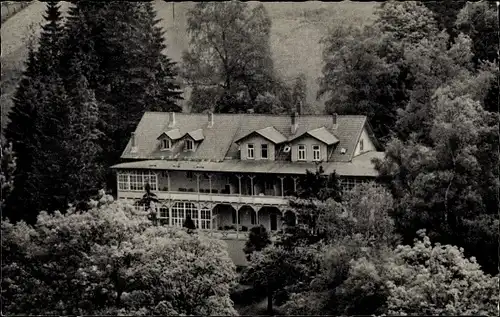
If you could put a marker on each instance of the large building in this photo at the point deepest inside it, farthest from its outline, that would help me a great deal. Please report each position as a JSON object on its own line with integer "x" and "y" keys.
{"x": 235, "y": 171}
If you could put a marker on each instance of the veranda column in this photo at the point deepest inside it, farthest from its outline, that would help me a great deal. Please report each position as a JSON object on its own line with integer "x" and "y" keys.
{"x": 239, "y": 184}
{"x": 238, "y": 209}
{"x": 170, "y": 214}
{"x": 210, "y": 183}
{"x": 282, "y": 190}
{"x": 295, "y": 184}
{"x": 198, "y": 204}
{"x": 251, "y": 184}
{"x": 168, "y": 182}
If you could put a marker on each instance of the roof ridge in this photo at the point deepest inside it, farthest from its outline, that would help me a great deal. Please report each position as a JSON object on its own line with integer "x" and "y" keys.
{"x": 255, "y": 114}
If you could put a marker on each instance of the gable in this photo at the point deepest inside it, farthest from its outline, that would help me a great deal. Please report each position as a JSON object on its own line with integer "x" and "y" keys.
{"x": 365, "y": 143}
{"x": 320, "y": 134}
{"x": 269, "y": 133}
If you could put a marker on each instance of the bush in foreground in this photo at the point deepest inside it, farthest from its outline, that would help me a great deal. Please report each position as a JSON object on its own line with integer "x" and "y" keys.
{"x": 112, "y": 260}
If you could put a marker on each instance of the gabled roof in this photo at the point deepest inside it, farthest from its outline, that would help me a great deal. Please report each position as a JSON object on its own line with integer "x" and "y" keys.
{"x": 172, "y": 134}
{"x": 219, "y": 140}
{"x": 269, "y": 133}
{"x": 321, "y": 134}
{"x": 196, "y": 135}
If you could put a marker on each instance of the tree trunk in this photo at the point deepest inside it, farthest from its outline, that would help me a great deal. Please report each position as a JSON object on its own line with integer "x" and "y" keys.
{"x": 269, "y": 301}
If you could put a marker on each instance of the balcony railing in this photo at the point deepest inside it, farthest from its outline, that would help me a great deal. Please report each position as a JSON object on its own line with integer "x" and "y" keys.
{"x": 207, "y": 197}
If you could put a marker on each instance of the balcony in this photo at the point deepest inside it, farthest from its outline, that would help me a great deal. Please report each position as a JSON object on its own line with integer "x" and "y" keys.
{"x": 211, "y": 198}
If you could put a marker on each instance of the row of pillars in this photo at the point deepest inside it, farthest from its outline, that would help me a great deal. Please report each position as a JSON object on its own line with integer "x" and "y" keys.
{"x": 239, "y": 176}
{"x": 199, "y": 209}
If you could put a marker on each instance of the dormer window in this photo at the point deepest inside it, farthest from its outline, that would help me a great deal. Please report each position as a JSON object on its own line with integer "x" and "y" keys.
{"x": 250, "y": 151}
{"x": 189, "y": 145}
{"x": 301, "y": 152}
{"x": 263, "y": 151}
{"x": 166, "y": 144}
{"x": 316, "y": 153}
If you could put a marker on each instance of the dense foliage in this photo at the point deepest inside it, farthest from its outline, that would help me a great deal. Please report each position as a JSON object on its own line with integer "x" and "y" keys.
{"x": 389, "y": 70}
{"x": 258, "y": 239}
{"x": 432, "y": 98}
{"x": 83, "y": 92}
{"x": 229, "y": 63}
{"x": 111, "y": 260}
{"x": 442, "y": 278}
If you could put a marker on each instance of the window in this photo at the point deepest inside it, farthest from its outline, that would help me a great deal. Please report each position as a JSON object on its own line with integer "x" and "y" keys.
{"x": 263, "y": 151}
{"x": 189, "y": 174}
{"x": 316, "y": 153}
{"x": 361, "y": 145}
{"x": 150, "y": 178}
{"x": 137, "y": 180}
{"x": 250, "y": 151}
{"x": 181, "y": 210}
{"x": 189, "y": 145}
{"x": 166, "y": 144}
{"x": 302, "y": 152}
{"x": 205, "y": 218}
{"x": 163, "y": 213}
{"x": 192, "y": 212}
{"x": 178, "y": 214}
{"x": 123, "y": 182}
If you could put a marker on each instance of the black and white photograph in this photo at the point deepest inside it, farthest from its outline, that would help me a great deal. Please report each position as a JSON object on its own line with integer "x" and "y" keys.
{"x": 250, "y": 158}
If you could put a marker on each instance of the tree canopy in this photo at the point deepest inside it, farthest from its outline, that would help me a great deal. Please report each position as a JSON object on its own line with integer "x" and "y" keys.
{"x": 112, "y": 260}
{"x": 229, "y": 62}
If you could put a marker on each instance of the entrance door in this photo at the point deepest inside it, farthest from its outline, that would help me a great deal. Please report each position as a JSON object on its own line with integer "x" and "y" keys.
{"x": 274, "y": 221}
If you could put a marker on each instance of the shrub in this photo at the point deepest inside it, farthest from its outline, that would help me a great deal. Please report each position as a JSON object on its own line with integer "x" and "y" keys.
{"x": 258, "y": 239}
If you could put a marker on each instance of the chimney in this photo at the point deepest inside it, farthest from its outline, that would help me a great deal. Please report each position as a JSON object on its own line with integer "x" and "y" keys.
{"x": 171, "y": 119}
{"x": 133, "y": 147}
{"x": 334, "y": 120}
{"x": 295, "y": 122}
{"x": 210, "y": 119}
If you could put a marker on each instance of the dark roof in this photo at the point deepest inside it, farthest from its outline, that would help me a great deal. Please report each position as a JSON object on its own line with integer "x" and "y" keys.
{"x": 322, "y": 134}
{"x": 219, "y": 139}
{"x": 360, "y": 166}
{"x": 269, "y": 133}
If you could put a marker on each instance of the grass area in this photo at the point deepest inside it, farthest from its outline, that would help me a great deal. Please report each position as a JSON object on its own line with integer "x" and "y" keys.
{"x": 297, "y": 29}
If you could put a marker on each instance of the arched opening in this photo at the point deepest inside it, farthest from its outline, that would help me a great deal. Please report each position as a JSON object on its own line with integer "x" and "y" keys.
{"x": 271, "y": 218}
{"x": 247, "y": 217}
{"x": 224, "y": 217}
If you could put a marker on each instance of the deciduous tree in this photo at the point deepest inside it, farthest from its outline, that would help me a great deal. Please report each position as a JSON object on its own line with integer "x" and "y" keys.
{"x": 111, "y": 260}
{"x": 229, "y": 49}
{"x": 426, "y": 279}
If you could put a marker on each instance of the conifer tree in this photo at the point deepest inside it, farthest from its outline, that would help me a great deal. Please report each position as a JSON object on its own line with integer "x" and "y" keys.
{"x": 50, "y": 40}
{"x": 39, "y": 103}
{"x": 121, "y": 49}
{"x": 82, "y": 139}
